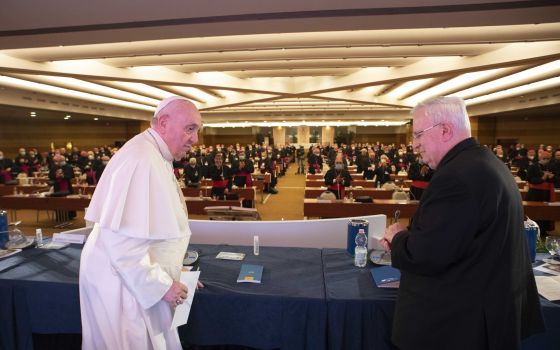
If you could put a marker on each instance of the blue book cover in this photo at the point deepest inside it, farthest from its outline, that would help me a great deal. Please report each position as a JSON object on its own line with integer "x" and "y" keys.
{"x": 250, "y": 273}
{"x": 386, "y": 276}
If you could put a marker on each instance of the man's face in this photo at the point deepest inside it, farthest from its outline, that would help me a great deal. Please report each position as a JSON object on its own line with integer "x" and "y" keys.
{"x": 557, "y": 155}
{"x": 181, "y": 130}
{"x": 427, "y": 143}
{"x": 218, "y": 161}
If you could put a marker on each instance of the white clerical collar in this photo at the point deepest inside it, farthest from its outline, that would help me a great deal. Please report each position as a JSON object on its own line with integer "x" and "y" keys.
{"x": 161, "y": 145}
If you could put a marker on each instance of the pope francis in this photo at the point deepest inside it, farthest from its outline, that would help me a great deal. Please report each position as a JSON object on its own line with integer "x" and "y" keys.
{"x": 132, "y": 260}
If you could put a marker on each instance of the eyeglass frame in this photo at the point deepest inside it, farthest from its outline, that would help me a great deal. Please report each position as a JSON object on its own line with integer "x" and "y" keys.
{"x": 416, "y": 135}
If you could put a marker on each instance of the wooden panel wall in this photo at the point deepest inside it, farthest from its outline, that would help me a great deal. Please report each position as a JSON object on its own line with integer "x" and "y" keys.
{"x": 83, "y": 134}
{"x": 530, "y": 130}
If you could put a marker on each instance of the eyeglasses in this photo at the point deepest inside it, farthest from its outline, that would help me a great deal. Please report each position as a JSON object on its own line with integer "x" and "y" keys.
{"x": 418, "y": 134}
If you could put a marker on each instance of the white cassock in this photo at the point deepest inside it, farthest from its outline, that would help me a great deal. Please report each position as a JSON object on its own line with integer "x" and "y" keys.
{"x": 135, "y": 250}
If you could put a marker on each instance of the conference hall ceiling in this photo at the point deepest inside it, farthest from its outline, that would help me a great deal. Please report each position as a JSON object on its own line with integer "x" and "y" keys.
{"x": 261, "y": 61}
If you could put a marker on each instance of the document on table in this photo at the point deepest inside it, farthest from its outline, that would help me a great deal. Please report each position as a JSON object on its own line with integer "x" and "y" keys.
{"x": 549, "y": 287}
{"x": 182, "y": 311}
{"x": 552, "y": 269}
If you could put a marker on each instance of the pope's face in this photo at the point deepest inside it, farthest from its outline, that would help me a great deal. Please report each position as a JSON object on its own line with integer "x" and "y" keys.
{"x": 182, "y": 129}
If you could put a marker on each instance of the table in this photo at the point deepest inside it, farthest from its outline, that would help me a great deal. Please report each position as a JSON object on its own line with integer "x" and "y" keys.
{"x": 318, "y": 300}
{"x": 77, "y": 202}
{"x": 339, "y": 209}
{"x": 248, "y": 193}
{"x": 39, "y": 292}
{"x": 360, "y": 315}
{"x": 319, "y": 183}
{"x": 286, "y": 311}
{"x": 375, "y": 193}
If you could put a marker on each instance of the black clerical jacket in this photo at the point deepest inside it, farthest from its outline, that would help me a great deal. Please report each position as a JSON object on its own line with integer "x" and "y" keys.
{"x": 338, "y": 188}
{"x": 466, "y": 278}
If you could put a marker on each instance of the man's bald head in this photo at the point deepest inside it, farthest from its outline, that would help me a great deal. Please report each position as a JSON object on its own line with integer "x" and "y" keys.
{"x": 177, "y": 121}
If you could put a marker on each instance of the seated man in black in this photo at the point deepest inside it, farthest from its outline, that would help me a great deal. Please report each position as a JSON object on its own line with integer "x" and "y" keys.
{"x": 267, "y": 165}
{"x": 192, "y": 173}
{"x": 6, "y": 165}
{"x": 61, "y": 175}
{"x": 541, "y": 177}
{"x": 242, "y": 176}
{"x": 383, "y": 172}
{"x": 420, "y": 174}
{"x": 337, "y": 178}
{"x": 315, "y": 162}
{"x": 368, "y": 166}
{"x": 221, "y": 177}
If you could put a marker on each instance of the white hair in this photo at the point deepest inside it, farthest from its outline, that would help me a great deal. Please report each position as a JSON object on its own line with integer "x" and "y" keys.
{"x": 450, "y": 110}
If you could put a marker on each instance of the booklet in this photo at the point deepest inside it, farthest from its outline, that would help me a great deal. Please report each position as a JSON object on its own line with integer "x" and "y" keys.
{"x": 250, "y": 273}
{"x": 230, "y": 256}
{"x": 386, "y": 276}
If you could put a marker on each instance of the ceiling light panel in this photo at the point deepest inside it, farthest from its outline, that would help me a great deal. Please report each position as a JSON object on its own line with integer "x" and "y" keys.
{"x": 523, "y": 77}
{"x": 407, "y": 87}
{"x": 516, "y": 91}
{"x": 54, "y": 90}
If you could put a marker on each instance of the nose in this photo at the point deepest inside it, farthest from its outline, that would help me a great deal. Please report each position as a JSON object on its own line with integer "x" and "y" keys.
{"x": 194, "y": 138}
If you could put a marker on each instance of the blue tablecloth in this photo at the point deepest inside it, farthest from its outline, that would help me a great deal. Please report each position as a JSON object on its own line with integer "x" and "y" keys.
{"x": 39, "y": 294}
{"x": 308, "y": 299}
{"x": 360, "y": 314}
{"x": 287, "y": 310}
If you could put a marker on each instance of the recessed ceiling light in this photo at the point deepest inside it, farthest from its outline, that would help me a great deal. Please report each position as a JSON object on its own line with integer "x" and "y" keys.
{"x": 68, "y": 116}
{"x": 95, "y": 118}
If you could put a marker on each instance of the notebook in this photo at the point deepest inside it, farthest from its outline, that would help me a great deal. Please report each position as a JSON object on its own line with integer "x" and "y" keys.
{"x": 250, "y": 273}
{"x": 386, "y": 276}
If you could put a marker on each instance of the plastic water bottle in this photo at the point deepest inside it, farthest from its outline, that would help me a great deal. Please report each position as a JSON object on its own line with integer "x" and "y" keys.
{"x": 360, "y": 252}
{"x": 256, "y": 248}
{"x": 39, "y": 237}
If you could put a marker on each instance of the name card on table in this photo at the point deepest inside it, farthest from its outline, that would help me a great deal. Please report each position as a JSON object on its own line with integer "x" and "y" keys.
{"x": 69, "y": 238}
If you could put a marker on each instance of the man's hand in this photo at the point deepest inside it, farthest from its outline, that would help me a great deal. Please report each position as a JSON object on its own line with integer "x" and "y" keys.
{"x": 176, "y": 294}
{"x": 390, "y": 233}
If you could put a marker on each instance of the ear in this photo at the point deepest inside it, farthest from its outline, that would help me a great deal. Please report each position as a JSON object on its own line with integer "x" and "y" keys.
{"x": 446, "y": 132}
{"x": 162, "y": 122}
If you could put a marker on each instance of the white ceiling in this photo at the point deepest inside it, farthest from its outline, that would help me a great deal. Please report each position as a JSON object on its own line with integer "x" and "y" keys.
{"x": 330, "y": 60}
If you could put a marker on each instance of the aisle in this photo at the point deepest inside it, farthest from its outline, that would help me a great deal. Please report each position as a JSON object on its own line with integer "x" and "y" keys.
{"x": 288, "y": 203}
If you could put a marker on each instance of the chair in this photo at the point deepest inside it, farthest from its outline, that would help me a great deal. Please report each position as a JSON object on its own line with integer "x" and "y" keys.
{"x": 400, "y": 195}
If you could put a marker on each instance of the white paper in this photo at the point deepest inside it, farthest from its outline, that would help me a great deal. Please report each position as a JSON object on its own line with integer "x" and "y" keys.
{"x": 182, "y": 311}
{"x": 548, "y": 268}
{"x": 549, "y": 287}
{"x": 68, "y": 238}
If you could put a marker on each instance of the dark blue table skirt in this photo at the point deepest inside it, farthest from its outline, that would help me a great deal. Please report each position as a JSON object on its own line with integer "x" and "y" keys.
{"x": 39, "y": 294}
{"x": 360, "y": 314}
{"x": 287, "y": 310}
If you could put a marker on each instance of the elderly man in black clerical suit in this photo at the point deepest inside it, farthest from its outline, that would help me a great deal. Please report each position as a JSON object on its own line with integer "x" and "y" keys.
{"x": 466, "y": 278}
{"x": 221, "y": 177}
{"x": 338, "y": 178}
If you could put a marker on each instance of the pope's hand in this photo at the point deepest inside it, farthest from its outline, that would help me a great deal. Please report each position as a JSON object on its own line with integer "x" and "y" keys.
{"x": 176, "y": 294}
{"x": 390, "y": 233}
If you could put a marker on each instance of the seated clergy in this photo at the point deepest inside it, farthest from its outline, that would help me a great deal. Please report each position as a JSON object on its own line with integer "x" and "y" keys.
{"x": 242, "y": 176}
{"x": 337, "y": 178}
{"x": 192, "y": 173}
{"x": 220, "y": 176}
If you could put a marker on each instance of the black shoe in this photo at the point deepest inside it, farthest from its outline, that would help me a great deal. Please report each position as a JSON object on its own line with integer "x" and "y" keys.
{"x": 273, "y": 191}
